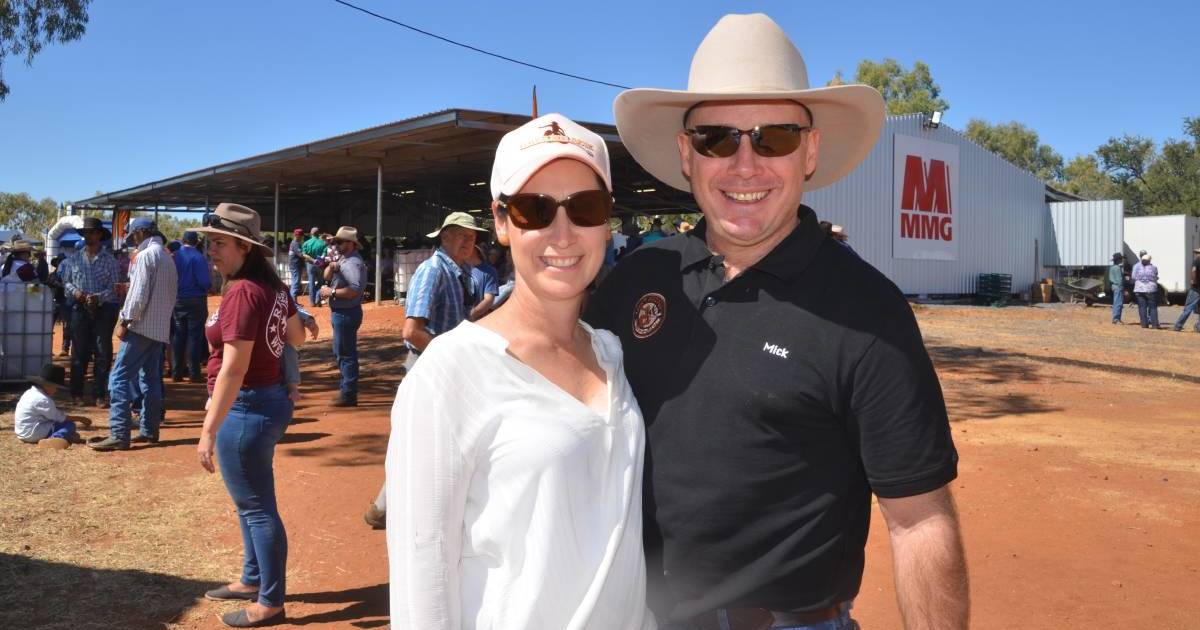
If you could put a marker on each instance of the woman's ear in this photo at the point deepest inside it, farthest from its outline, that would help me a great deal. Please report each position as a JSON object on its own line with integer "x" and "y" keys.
{"x": 501, "y": 221}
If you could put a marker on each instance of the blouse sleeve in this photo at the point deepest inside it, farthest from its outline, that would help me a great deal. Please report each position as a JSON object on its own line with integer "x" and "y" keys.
{"x": 427, "y": 480}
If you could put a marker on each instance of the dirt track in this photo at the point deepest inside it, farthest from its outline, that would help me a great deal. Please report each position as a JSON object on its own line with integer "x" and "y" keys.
{"x": 1079, "y": 480}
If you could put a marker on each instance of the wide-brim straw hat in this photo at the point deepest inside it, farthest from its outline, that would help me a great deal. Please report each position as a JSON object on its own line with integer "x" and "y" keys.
{"x": 231, "y": 219}
{"x": 749, "y": 57}
{"x": 19, "y": 246}
{"x": 347, "y": 233}
{"x": 461, "y": 219}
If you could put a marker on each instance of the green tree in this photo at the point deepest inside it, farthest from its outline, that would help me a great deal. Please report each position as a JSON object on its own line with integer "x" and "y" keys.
{"x": 904, "y": 91}
{"x": 1126, "y": 161}
{"x": 26, "y": 26}
{"x": 30, "y": 217}
{"x": 1083, "y": 176}
{"x": 1018, "y": 144}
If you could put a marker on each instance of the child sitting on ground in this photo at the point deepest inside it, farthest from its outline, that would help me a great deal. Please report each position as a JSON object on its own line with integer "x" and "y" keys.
{"x": 291, "y": 357}
{"x": 38, "y": 420}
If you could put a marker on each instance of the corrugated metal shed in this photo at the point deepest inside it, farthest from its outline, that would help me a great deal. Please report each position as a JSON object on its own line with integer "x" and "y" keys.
{"x": 1001, "y": 215}
{"x": 1084, "y": 233}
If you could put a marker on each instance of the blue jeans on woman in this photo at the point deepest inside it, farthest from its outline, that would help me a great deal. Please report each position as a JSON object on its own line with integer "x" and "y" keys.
{"x": 245, "y": 449}
{"x": 1148, "y": 309}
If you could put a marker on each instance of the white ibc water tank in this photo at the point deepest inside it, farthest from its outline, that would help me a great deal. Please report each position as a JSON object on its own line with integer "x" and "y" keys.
{"x": 406, "y": 263}
{"x": 26, "y": 330}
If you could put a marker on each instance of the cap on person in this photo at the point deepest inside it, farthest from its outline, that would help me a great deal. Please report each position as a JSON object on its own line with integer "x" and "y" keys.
{"x": 1145, "y": 257}
{"x": 190, "y": 237}
{"x": 526, "y": 149}
{"x": 174, "y": 246}
{"x": 141, "y": 223}
{"x": 314, "y": 231}
{"x": 298, "y": 232}
{"x": 1118, "y": 257}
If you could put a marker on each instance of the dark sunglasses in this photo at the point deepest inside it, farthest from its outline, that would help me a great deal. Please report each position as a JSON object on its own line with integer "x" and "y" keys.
{"x": 767, "y": 140}
{"x": 214, "y": 220}
{"x": 534, "y": 211}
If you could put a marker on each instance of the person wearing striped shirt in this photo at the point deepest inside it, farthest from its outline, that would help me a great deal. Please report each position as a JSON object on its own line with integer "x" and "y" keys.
{"x": 144, "y": 331}
{"x": 89, "y": 281}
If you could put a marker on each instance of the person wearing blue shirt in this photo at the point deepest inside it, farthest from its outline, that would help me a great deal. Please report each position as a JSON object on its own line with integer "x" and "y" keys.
{"x": 485, "y": 284}
{"x": 191, "y": 310}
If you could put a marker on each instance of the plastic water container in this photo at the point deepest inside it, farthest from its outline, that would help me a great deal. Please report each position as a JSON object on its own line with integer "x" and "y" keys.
{"x": 406, "y": 262}
{"x": 26, "y": 330}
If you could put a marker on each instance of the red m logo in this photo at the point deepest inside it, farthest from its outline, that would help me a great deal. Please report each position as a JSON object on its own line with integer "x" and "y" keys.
{"x": 928, "y": 191}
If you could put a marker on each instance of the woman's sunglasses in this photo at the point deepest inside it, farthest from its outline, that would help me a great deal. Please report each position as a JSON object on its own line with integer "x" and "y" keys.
{"x": 534, "y": 211}
{"x": 766, "y": 140}
{"x": 214, "y": 220}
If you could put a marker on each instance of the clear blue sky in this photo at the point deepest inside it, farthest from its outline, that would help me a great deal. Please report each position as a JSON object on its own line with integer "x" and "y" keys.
{"x": 155, "y": 89}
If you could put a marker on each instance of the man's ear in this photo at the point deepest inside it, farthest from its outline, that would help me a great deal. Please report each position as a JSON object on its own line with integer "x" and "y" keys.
{"x": 813, "y": 150}
{"x": 501, "y": 221}
{"x": 685, "y": 152}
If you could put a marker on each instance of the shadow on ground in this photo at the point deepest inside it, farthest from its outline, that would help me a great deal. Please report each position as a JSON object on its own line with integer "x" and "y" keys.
{"x": 362, "y": 604}
{"x": 987, "y": 381}
{"x": 53, "y": 596}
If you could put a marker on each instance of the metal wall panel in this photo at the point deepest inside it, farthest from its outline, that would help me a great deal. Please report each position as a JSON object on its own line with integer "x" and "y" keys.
{"x": 1000, "y": 215}
{"x": 1084, "y": 233}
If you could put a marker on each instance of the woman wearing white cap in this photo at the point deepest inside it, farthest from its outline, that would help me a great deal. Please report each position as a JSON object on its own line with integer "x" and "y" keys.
{"x": 1145, "y": 289}
{"x": 515, "y": 464}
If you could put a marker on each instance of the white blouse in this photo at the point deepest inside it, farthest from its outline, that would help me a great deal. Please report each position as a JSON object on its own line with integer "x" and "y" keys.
{"x": 511, "y": 504}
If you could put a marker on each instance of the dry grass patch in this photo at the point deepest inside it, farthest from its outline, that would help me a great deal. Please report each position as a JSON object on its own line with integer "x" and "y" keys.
{"x": 105, "y": 541}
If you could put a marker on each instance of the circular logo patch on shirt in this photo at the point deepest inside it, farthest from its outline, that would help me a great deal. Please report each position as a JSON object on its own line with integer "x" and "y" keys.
{"x": 277, "y": 324}
{"x": 649, "y": 314}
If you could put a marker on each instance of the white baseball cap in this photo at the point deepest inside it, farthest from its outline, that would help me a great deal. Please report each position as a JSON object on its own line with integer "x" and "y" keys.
{"x": 531, "y": 146}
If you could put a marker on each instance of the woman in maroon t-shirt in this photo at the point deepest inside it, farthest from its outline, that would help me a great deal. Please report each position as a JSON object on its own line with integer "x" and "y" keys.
{"x": 248, "y": 406}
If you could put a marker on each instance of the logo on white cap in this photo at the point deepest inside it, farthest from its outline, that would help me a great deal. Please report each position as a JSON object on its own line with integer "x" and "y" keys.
{"x": 555, "y": 133}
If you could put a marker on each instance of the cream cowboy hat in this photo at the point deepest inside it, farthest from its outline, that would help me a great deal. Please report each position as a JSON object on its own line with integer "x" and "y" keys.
{"x": 240, "y": 222}
{"x": 748, "y": 57}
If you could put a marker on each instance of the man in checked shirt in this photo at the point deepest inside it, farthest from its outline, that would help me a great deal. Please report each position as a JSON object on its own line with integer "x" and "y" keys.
{"x": 144, "y": 330}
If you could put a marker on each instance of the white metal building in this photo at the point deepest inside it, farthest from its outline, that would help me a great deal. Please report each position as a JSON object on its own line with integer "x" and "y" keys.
{"x": 994, "y": 217}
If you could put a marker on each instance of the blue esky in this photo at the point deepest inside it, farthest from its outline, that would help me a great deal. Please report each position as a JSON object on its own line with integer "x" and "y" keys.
{"x": 158, "y": 88}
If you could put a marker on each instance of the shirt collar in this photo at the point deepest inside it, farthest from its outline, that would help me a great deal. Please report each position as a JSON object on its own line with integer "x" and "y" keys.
{"x": 450, "y": 261}
{"x": 789, "y": 258}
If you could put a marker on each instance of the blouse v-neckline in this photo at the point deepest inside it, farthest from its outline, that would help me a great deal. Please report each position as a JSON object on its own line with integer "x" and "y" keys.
{"x": 500, "y": 344}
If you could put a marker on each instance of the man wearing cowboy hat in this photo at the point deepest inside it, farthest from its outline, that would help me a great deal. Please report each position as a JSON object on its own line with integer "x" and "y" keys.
{"x": 1116, "y": 283}
{"x": 144, "y": 331}
{"x": 440, "y": 296}
{"x": 347, "y": 278}
{"x": 90, "y": 284}
{"x": 783, "y": 380}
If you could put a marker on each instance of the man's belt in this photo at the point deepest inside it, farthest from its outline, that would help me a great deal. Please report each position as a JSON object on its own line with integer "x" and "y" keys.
{"x": 758, "y": 618}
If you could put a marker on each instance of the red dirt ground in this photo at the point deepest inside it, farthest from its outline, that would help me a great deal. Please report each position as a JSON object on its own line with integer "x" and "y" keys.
{"x": 1079, "y": 482}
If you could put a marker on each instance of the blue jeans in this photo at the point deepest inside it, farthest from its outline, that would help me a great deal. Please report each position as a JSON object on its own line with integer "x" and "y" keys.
{"x": 1148, "y": 309}
{"x": 136, "y": 372}
{"x": 189, "y": 346}
{"x": 314, "y": 282}
{"x": 1189, "y": 306}
{"x": 296, "y": 270}
{"x": 345, "y": 347}
{"x": 1118, "y": 295}
{"x": 245, "y": 451}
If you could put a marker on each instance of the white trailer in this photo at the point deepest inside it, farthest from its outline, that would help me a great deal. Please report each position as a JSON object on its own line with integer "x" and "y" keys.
{"x": 1169, "y": 240}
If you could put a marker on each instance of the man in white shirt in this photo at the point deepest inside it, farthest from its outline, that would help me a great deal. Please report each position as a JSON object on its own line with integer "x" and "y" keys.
{"x": 144, "y": 331}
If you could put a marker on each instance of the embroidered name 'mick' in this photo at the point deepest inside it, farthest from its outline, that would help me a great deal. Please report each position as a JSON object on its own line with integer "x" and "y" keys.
{"x": 778, "y": 351}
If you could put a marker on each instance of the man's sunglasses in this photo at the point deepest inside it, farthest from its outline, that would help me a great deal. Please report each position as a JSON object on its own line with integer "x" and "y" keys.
{"x": 534, "y": 211}
{"x": 214, "y": 220}
{"x": 767, "y": 140}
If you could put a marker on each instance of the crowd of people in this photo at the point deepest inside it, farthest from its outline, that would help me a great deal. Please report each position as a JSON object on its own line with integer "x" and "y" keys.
{"x": 1141, "y": 280}
{"x": 681, "y": 427}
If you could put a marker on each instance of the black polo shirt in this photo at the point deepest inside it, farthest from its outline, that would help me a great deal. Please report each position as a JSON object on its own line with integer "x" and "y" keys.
{"x": 775, "y": 404}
